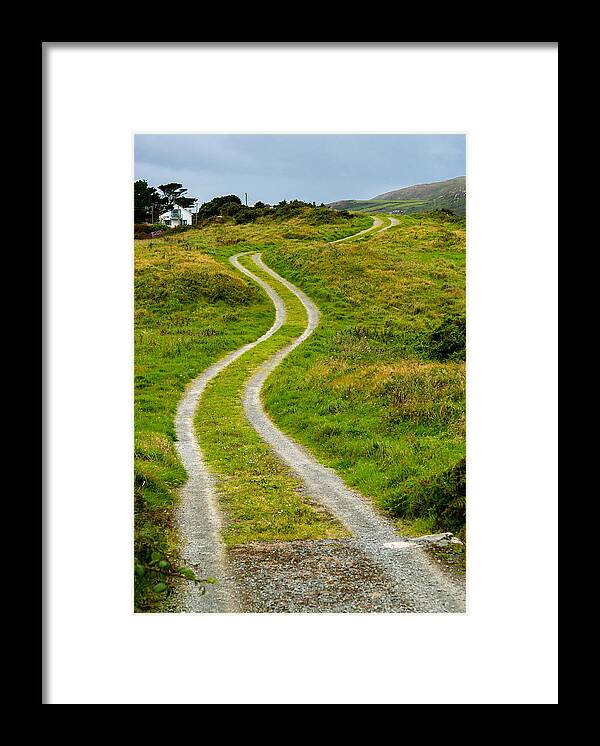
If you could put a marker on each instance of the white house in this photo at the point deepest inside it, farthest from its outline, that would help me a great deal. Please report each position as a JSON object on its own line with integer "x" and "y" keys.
{"x": 175, "y": 216}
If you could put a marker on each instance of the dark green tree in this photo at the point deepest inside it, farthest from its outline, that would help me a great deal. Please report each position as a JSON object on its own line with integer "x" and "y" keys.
{"x": 174, "y": 193}
{"x": 147, "y": 202}
{"x": 217, "y": 206}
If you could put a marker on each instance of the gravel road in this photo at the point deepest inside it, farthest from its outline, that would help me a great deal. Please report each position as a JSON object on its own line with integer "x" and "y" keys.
{"x": 376, "y": 223}
{"x": 424, "y": 587}
{"x": 393, "y": 222}
{"x": 197, "y": 516}
{"x": 374, "y": 571}
{"x": 327, "y": 576}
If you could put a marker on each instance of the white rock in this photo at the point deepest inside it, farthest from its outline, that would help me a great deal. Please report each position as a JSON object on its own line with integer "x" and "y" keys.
{"x": 399, "y": 545}
{"x": 440, "y": 539}
{"x": 433, "y": 538}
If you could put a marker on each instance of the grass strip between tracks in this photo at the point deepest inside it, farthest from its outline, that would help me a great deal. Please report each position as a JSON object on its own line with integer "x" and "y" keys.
{"x": 261, "y": 498}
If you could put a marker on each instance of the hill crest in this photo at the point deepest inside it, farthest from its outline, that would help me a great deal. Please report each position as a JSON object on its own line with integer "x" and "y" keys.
{"x": 450, "y": 194}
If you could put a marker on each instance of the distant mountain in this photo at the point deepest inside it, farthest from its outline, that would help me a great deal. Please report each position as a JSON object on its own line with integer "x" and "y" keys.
{"x": 451, "y": 194}
{"x": 436, "y": 190}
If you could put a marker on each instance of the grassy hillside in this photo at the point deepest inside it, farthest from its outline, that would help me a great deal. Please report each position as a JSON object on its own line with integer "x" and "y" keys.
{"x": 450, "y": 194}
{"x": 191, "y": 308}
{"x": 189, "y": 311}
{"x": 372, "y": 206}
{"x": 432, "y": 191}
{"x": 377, "y": 391}
{"x": 262, "y": 500}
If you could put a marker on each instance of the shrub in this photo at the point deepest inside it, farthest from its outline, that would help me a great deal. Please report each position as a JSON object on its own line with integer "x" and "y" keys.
{"x": 144, "y": 230}
{"x": 442, "y": 499}
{"x": 324, "y": 215}
{"x": 240, "y": 213}
{"x": 448, "y": 340}
{"x": 180, "y": 288}
{"x": 217, "y": 205}
{"x": 180, "y": 228}
{"x": 230, "y": 209}
{"x": 247, "y": 215}
{"x": 149, "y": 227}
{"x": 290, "y": 209}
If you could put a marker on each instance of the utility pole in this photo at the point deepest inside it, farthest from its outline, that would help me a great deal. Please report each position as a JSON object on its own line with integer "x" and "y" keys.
{"x": 246, "y": 193}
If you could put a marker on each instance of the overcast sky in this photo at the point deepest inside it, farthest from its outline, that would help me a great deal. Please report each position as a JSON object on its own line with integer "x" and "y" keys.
{"x": 314, "y": 168}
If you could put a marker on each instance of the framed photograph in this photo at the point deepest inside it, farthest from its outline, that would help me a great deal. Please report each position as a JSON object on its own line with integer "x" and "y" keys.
{"x": 300, "y": 446}
{"x": 291, "y": 303}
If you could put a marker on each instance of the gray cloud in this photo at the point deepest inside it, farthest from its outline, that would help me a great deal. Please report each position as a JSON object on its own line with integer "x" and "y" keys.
{"x": 319, "y": 168}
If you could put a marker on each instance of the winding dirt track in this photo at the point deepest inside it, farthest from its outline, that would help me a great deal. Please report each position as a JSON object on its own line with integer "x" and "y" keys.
{"x": 420, "y": 585}
{"x": 424, "y": 587}
{"x": 197, "y": 516}
{"x": 393, "y": 222}
{"x": 376, "y": 223}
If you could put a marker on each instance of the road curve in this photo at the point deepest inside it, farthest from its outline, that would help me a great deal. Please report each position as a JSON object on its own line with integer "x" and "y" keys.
{"x": 393, "y": 222}
{"x": 376, "y": 223}
{"x": 424, "y": 585}
{"x": 197, "y": 515}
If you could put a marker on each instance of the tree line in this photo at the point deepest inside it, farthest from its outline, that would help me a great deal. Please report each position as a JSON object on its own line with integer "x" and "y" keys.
{"x": 150, "y": 202}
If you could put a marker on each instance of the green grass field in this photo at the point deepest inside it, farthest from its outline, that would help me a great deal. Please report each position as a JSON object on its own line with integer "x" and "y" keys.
{"x": 368, "y": 393}
{"x": 372, "y": 206}
{"x": 365, "y": 393}
{"x": 191, "y": 309}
